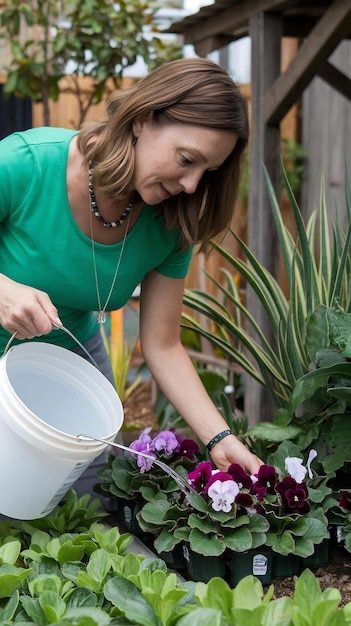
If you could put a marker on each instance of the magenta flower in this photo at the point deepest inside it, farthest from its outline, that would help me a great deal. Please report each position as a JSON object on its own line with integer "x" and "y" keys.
{"x": 240, "y": 476}
{"x": 294, "y": 495}
{"x": 266, "y": 481}
{"x": 200, "y": 476}
{"x": 345, "y": 501}
{"x": 188, "y": 448}
{"x": 166, "y": 442}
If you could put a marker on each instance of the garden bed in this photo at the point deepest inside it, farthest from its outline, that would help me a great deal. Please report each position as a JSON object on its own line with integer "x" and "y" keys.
{"x": 337, "y": 574}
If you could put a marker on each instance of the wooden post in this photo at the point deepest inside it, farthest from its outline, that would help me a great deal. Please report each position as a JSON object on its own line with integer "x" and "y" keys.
{"x": 266, "y": 34}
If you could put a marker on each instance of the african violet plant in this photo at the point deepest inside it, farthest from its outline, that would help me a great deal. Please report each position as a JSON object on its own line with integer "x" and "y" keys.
{"x": 134, "y": 477}
{"x": 295, "y": 500}
{"x": 283, "y": 506}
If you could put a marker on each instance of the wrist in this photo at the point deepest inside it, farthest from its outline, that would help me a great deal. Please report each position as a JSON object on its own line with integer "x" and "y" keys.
{"x": 217, "y": 438}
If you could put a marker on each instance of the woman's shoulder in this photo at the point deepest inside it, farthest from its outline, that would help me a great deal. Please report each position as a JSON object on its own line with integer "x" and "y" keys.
{"x": 46, "y": 134}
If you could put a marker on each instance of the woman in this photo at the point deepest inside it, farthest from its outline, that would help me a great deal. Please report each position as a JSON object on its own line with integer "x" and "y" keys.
{"x": 88, "y": 216}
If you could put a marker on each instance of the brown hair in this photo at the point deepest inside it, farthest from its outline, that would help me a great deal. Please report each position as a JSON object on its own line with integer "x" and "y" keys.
{"x": 191, "y": 91}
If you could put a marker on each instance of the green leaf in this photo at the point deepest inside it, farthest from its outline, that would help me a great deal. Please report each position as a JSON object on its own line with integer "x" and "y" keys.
{"x": 218, "y": 596}
{"x": 267, "y": 431}
{"x": 307, "y": 593}
{"x": 11, "y": 577}
{"x": 202, "y": 523}
{"x": 86, "y": 616}
{"x": 52, "y": 606}
{"x": 248, "y": 594}
{"x": 239, "y": 541}
{"x": 34, "y": 610}
{"x": 9, "y": 609}
{"x": 10, "y": 551}
{"x": 166, "y": 541}
{"x": 202, "y": 617}
{"x": 205, "y": 544}
{"x": 127, "y": 597}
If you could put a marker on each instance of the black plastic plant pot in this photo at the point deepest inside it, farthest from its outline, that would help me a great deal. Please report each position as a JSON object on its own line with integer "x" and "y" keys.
{"x": 285, "y": 566}
{"x": 319, "y": 558}
{"x": 174, "y": 559}
{"x": 202, "y": 568}
{"x": 251, "y": 563}
{"x": 126, "y": 516}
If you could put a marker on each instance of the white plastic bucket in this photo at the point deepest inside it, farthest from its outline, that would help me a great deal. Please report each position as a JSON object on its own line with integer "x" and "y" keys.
{"x": 48, "y": 396}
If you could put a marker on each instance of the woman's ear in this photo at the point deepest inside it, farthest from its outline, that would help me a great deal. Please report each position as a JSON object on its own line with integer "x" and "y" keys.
{"x": 139, "y": 123}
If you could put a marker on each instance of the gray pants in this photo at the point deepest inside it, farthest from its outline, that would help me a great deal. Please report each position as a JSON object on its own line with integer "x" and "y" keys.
{"x": 95, "y": 347}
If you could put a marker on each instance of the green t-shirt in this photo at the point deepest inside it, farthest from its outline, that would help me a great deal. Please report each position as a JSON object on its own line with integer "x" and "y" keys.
{"x": 42, "y": 246}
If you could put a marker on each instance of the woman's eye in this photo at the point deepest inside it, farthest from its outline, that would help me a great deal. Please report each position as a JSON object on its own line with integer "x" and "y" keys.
{"x": 185, "y": 160}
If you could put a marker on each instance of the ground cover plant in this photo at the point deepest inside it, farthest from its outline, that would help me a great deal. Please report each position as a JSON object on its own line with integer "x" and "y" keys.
{"x": 86, "y": 577}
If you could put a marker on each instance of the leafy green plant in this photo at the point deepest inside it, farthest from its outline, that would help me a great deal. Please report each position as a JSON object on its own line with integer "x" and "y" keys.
{"x": 319, "y": 289}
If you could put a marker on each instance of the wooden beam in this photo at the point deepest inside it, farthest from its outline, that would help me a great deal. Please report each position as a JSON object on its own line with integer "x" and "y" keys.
{"x": 205, "y": 46}
{"x": 232, "y": 18}
{"x": 265, "y": 31}
{"x": 336, "y": 79}
{"x": 332, "y": 27}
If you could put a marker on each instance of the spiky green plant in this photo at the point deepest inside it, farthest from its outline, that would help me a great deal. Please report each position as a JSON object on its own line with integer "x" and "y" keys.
{"x": 318, "y": 267}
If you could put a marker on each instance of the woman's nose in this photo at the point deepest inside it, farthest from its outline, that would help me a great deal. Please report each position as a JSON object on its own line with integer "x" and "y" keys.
{"x": 190, "y": 181}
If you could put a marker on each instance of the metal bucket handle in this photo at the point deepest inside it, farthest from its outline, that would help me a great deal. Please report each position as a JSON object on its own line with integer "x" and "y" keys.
{"x": 68, "y": 332}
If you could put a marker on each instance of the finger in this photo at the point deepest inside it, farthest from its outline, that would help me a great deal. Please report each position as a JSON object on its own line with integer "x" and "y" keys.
{"x": 49, "y": 308}
{"x": 21, "y": 331}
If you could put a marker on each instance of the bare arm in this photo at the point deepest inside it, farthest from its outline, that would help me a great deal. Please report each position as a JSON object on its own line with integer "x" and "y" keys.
{"x": 27, "y": 311}
{"x": 161, "y": 305}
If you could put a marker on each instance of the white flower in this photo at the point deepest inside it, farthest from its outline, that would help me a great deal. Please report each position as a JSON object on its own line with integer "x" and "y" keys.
{"x": 223, "y": 494}
{"x": 294, "y": 467}
{"x": 312, "y": 455}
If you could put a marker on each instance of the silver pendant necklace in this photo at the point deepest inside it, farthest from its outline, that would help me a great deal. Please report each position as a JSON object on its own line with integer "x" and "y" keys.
{"x": 101, "y": 316}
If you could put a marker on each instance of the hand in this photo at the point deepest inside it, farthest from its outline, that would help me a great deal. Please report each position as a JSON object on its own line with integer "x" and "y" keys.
{"x": 231, "y": 450}
{"x": 26, "y": 311}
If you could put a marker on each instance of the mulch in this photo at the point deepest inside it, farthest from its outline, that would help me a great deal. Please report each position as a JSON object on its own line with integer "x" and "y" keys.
{"x": 337, "y": 574}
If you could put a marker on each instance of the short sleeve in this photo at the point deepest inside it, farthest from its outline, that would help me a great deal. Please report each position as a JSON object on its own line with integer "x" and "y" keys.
{"x": 16, "y": 173}
{"x": 176, "y": 265}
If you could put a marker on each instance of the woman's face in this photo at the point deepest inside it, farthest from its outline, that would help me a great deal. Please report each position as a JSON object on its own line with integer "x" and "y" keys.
{"x": 171, "y": 159}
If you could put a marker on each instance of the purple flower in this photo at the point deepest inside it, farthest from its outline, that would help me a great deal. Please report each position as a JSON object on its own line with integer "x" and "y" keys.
{"x": 144, "y": 464}
{"x": 144, "y": 444}
{"x": 239, "y": 475}
{"x": 345, "y": 500}
{"x": 294, "y": 495}
{"x": 244, "y": 500}
{"x": 266, "y": 480}
{"x": 188, "y": 448}
{"x": 166, "y": 442}
{"x": 223, "y": 494}
{"x": 200, "y": 476}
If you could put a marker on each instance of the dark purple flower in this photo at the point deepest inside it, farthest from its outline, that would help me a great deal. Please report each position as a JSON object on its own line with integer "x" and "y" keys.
{"x": 188, "y": 448}
{"x": 217, "y": 475}
{"x": 239, "y": 475}
{"x": 166, "y": 442}
{"x": 244, "y": 500}
{"x": 294, "y": 495}
{"x": 266, "y": 480}
{"x": 345, "y": 500}
{"x": 199, "y": 477}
